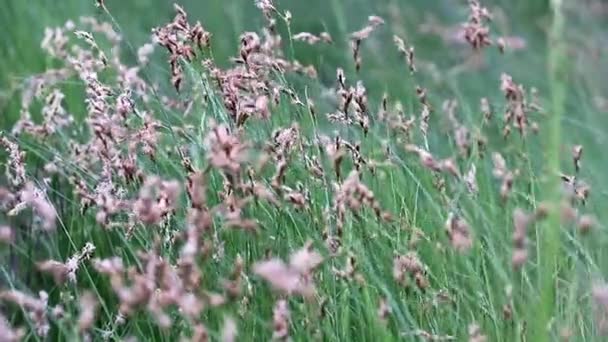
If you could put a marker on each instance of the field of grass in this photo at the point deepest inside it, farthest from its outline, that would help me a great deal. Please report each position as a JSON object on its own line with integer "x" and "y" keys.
{"x": 216, "y": 189}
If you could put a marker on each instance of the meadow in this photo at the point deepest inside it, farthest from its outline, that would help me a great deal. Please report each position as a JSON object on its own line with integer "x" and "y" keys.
{"x": 355, "y": 170}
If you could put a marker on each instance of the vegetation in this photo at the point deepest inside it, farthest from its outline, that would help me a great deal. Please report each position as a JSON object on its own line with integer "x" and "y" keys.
{"x": 330, "y": 170}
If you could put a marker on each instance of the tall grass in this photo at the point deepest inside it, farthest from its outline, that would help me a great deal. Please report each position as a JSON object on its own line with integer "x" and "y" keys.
{"x": 550, "y": 238}
{"x": 428, "y": 250}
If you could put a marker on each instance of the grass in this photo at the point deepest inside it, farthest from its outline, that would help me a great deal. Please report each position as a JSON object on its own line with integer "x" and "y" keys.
{"x": 550, "y": 239}
{"x": 549, "y": 296}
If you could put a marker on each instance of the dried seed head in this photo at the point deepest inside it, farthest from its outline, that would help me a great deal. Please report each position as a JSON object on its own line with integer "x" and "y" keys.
{"x": 459, "y": 233}
{"x": 9, "y": 333}
{"x": 7, "y": 235}
{"x": 470, "y": 180}
{"x": 577, "y": 152}
{"x": 295, "y": 278}
{"x": 305, "y": 260}
{"x": 281, "y": 319}
{"x": 88, "y": 307}
{"x": 36, "y": 199}
{"x": 486, "y": 109}
{"x": 501, "y": 172}
{"x": 359, "y": 36}
{"x": 409, "y": 264}
{"x": 15, "y": 167}
{"x": 519, "y": 258}
{"x": 313, "y": 39}
{"x": 406, "y": 51}
{"x": 476, "y": 33}
{"x": 384, "y": 310}
{"x": 501, "y": 44}
{"x": 586, "y": 223}
{"x": 475, "y": 334}
{"x": 521, "y": 221}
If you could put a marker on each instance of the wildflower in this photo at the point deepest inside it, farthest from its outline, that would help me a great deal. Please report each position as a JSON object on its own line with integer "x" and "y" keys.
{"x": 9, "y": 333}
{"x": 157, "y": 198}
{"x": 280, "y": 320}
{"x": 459, "y": 233}
{"x": 574, "y": 188}
{"x": 475, "y": 31}
{"x": 58, "y": 269}
{"x": 409, "y": 264}
{"x": 501, "y": 172}
{"x": 521, "y": 221}
{"x": 199, "y": 36}
{"x": 36, "y": 308}
{"x": 430, "y": 162}
{"x": 335, "y": 150}
{"x": 88, "y": 307}
{"x": 200, "y": 333}
{"x": 384, "y": 310}
{"x": 33, "y": 197}
{"x": 406, "y": 51}
{"x": 285, "y": 139}
{"x": 358, "y": 37}
{"x": 352, "y": 195}
{"x": 471, "y": 181}
{"x": 15, "y": 168}
{"x": 104, "y": 28}
{"x": 265, "y": 5}
{"x": 178, "y": 38}
{"x": 63, "y": 272}
{"x": 299, "y": 199}
{"x": 229, "y": 331}
{"x": 292, "y": 278}
{"x": 88, "y": 38}
{"x": 586, "y": 223}
{"x": 231, "y": 209}
{"x": 225, "y": 150}
{"x": 55, "y": 42}
{"x": 517, "y": 107}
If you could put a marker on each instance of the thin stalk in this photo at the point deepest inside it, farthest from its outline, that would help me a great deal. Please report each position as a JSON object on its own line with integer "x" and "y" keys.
{"x": 549, "y": 237}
